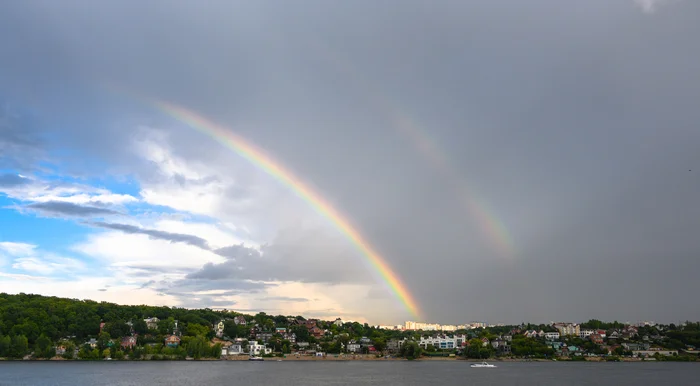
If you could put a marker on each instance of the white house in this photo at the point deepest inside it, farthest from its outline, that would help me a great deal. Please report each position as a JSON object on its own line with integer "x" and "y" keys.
{"x": 583, "y": 334}
{"x": 257, "y": 349}
{"x": 234, "y": 349}
{"x": 551, "y": 335}
{"x": 152, "y": 323}
{"x": 338, "y": 322}
{"x": 568, "y": 329}
{"x": 354, "y": 347}
{"x": 443, "y": 342}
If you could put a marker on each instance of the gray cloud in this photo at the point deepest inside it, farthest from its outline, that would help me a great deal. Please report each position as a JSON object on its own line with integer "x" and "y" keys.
{"x": 12, "y": 181}
{"x": 574, "y": 127}
{"x": 155, "y": 234}
{"x": 60, "y": 208}
{"x": 20, "y": 146}
{"x": 311, "y": 256}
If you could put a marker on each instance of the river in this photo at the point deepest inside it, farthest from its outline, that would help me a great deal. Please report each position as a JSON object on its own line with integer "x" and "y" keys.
{"x": 272, "y": 373}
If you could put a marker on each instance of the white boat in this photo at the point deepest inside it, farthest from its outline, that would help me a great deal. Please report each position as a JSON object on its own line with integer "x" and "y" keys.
{"x": 252, "y": 358}
{"x": 482, "y": 364}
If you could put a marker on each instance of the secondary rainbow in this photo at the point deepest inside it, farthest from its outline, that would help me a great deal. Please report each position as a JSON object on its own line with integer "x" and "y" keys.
{"x": 264, "y": 162}
{"x": 402, "y": 122}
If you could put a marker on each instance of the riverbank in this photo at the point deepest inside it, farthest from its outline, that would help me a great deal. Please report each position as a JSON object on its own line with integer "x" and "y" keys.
{"x": 338, "y": 358}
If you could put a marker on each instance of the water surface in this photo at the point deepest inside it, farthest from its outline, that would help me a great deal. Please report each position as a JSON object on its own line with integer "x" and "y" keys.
{"x": 394, "y": 373}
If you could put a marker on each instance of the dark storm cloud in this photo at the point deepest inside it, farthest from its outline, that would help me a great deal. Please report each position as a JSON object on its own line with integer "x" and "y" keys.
{"x": 155, "y": 234}
{"x": 575, "y": 126}
{"x": 59, "y": 208}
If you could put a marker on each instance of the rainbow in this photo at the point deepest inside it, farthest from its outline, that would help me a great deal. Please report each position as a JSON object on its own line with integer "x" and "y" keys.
{"x": 273, "y": 168}
{"x": 477, "y": 208}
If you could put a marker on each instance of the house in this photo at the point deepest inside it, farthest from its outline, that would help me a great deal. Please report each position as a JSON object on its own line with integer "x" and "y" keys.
{"x": 60, "y": 350}
{"x": 240, "y": 320}
{"x": 316, "y": 332}
{"x": 338, "y": 322}
{"x": 508, "y": 338}
{"x": 596, "y": 338}
{"x": 263, "y": 336}
{"x": 504, "y": 349}
{"x": 394, "y": 345}
{"x": 556, "y": 345}
{"x": 311, "y": 323}
{"x": 614, "y": 336}
{"x": 532, "y": 334}
{"x": 292, "y": 338}
{"x": 551, "y": 335}
{"x": 257, "y": 349}
{"x": 629, "y": 332}
{"x": 152, "y": 323}
{"x": 280, "y": 330}
{"x": 235, "y": 349}
{"x": 583, "y": 334}
{"x": 92, "y": 343}
{"x": 365, "y": 340}
{"x": 354, "y": 347}
{"x": 443, "y": 342}
{"x": 172, "y": 341}
{"x": 128, "y": 342}
{"x": 567, "y": 329}
{"x": 497, "y": 342}
{"x": 219, "y": 329}
{"x": 601, "y": 333}
{"x": 484, "y": 342}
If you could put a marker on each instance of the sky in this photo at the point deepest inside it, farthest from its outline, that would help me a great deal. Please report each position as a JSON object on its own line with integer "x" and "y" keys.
{"x": 500, "y": 161}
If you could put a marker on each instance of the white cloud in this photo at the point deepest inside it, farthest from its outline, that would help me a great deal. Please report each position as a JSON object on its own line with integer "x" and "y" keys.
{"x": 18, "y": 277}
{"x": 28, "y": 258}
{"x": 167, "y": 188}
{"x": 48, "y": 265}
{"x": 42, "y": 191}
{"x": 121, "y": 250}
{"x": 17, "y": 249}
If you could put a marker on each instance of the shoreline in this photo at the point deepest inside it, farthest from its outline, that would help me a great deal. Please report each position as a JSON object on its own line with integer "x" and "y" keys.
{"x": 346, "y": 358}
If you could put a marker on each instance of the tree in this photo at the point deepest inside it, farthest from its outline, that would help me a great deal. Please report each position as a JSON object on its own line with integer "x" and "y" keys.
{"x": 70, "y": 350}
{"x": 42, "y": 347}
{"x": 103, "y": 340}
{"x": 301, "y": 333}
{"x": 19, "y": 346}
{"x": 231, "y": 329}
{"x": 166, "y": 326}
{"x": 379, "y": 344}
{"x": 117, "y": 329}
{"x": 194, "y": 329}
{"x": 5, "y": 344}
{"x": 411, "y": 350}
{"x": 140, "y": 326}
{"x": 106, "y": 353}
